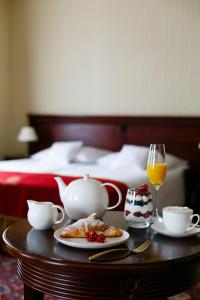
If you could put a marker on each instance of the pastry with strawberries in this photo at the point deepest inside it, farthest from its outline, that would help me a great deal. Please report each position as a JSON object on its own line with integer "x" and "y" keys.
{"x": 88, "y": 226}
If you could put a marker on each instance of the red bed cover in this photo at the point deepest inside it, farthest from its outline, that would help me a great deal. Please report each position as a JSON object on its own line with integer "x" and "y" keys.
{"x": 16, "y": 188}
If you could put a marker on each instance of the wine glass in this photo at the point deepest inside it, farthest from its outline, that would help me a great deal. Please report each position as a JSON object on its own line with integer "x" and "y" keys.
{"x": 156, "y": 172}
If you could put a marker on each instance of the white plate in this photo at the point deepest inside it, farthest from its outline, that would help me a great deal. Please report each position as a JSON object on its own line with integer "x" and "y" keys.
{"x": 160, "y": 227}
{"x": 83, "y": 243}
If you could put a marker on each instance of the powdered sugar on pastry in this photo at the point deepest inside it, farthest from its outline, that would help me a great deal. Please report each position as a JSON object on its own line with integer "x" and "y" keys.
{"x": 86, "y": 225}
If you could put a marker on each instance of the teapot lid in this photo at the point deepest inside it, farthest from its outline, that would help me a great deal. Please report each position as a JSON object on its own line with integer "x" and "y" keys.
{"x": 86, "y": 179}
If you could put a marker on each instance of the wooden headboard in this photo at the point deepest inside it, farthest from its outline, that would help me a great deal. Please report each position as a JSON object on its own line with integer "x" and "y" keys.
{"x": 181, "y": 135}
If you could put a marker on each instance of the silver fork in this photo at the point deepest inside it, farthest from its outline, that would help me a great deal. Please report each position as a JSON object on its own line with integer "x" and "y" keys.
{"x": 138, "y": 249}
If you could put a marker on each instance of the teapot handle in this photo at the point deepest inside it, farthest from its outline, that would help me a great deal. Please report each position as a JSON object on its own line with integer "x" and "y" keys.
{"x": 118, "y": 192}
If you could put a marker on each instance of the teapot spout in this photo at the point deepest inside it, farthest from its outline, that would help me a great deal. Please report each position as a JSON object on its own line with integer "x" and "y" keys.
{"x": 61, "y": 186}
{"x": 30, "y": 203}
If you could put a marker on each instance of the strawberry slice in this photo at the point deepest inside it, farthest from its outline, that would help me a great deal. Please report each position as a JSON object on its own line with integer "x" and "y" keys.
{"x": 143, "y": 187}
{"x": 91, "y": 236}
{"x": 100, "y": 238}
{"x": 142, "y": 190}
{"x": 94, "y": 237}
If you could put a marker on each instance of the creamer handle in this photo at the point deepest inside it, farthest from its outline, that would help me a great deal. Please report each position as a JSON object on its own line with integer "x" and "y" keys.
{"x": 62, "y": 216}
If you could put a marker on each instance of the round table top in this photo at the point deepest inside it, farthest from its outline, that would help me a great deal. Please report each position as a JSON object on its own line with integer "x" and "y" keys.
{"x": 24, "y": 242}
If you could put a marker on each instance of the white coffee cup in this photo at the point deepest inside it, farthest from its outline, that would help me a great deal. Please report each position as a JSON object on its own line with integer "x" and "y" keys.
{"x": 178, "y": 219}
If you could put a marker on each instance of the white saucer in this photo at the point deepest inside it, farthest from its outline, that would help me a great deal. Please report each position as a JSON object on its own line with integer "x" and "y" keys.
{"x": 83, "y": 243}
{"x": 160, "y": 228}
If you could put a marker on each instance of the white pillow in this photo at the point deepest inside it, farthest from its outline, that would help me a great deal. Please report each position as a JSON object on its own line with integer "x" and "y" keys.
{"x": 89, "y": 154}
{"x": 174, "y": 161}
{"x": 60, "y": 153}
{"x": 108, "y": 159}
{"x": 40, "y": 154}
{"x": 131, "y": 155}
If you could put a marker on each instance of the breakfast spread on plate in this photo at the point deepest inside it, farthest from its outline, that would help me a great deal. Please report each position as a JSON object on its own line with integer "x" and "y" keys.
{"x": 91, "y": 228}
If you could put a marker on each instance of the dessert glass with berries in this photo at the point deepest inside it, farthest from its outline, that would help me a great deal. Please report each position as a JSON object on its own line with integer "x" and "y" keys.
{"x": 138, "y": 206}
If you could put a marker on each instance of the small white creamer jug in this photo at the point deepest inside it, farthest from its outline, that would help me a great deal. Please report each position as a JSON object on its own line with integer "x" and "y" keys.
{"x": 42, "y": 215}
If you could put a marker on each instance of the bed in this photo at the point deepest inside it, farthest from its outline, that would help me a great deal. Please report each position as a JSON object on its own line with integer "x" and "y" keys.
{"x": 33, "y": 178}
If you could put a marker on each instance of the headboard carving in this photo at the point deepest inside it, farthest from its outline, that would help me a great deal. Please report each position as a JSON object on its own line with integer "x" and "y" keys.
{"x": 181, "y": 135}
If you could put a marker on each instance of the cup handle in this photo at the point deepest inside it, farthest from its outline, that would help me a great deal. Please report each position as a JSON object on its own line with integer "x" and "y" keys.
{"x": 118, "y": 192}
{"x": 198, "y": 218}
{"x": 63, "y": 214}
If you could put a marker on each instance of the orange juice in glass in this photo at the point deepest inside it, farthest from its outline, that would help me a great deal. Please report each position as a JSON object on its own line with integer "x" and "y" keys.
{"x": 156, "y": 173}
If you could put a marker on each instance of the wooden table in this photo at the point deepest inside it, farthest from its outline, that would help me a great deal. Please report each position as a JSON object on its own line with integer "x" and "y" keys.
{"x": 168, "y": 267}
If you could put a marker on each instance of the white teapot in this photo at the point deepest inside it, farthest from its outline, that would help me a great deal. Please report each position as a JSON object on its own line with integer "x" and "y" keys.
{"x": 85, "y": 196}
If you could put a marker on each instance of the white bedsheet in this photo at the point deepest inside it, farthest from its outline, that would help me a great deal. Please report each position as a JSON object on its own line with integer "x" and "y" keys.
{"x": 27, "y": 165}
{"x": 170, "y": 193}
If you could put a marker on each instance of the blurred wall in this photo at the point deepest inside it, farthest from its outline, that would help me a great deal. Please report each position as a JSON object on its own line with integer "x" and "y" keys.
{"x": 132, "y": 57}
{"x": 5, "y": 79}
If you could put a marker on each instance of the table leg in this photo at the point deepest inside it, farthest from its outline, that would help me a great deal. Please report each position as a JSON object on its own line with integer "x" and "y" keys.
{"x": 31, "y": 294}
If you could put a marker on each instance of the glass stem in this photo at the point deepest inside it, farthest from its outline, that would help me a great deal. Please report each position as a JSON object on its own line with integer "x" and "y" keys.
{"x": 155, "y": 215}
